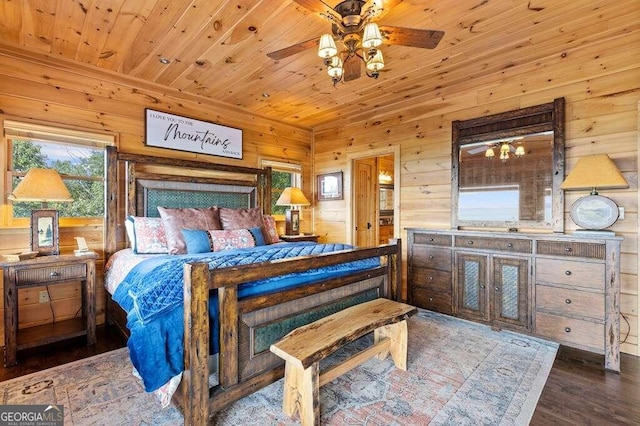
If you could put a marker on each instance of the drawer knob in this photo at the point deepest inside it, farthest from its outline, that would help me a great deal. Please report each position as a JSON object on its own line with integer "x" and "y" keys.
{"x": 470, "y": 242}
{"x": 54, "y": 274}
{"x": 430, "y": 256}
{"x": 430, "y": 278}
{"x": 482, "y": 287}
{"x": 567, "y": 329}
{"x": 431, "y": 239}
{"x": 509, "y": 245}
{"x": 431, "y": 299}
{"x": 567, "y": 301}
{"x": 496, "y": 288}
{"x": 568, "y": 249}
{"x": 567, "y": 272}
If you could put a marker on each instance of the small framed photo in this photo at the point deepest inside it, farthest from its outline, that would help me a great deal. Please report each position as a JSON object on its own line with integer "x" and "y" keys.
{"x": 44, "y": 232}
{"x": 330, "y": 186}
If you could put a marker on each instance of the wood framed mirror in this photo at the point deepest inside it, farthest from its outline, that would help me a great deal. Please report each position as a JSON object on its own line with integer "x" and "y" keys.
{"x": 507, "y": 169}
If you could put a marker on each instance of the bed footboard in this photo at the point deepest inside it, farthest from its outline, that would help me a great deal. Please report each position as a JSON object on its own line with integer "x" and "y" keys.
{"x": 243, "y": 366}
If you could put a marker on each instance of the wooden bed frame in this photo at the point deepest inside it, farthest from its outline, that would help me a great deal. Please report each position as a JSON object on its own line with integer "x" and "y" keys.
{"x": 247, "y": 326}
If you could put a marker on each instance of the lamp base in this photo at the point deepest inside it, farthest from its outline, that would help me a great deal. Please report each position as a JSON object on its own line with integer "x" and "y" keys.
{"x": 292, "y": 222}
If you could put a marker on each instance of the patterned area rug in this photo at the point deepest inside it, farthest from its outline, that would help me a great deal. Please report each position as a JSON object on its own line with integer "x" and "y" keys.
{"x": 459, "y": 373}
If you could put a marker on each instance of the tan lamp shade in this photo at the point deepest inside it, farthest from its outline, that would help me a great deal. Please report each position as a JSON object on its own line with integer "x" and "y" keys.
{"x": 292, "y": 197}
{"x": 43, "y": 185}
{"x": 593, "y": 172}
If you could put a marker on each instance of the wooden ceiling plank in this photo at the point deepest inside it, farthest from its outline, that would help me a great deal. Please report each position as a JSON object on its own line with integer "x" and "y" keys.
{"x": 11, "y": 22}
{"x": 126, "y": 27}
{"x": 70, "y": 17}
{"x": 201, "y": 25}
{"x": 37, "y": 25}
{"x": 96, "y": 28}
{"x": 197, "y": 58}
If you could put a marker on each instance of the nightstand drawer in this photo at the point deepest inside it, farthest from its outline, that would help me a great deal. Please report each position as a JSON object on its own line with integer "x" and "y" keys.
{"x": 432, "y": 239}
{"x": 564, "y": 301}
{"x": 570, "y": 330}
{"x": 40, "y": 276}
{"x": 432, "y": 279}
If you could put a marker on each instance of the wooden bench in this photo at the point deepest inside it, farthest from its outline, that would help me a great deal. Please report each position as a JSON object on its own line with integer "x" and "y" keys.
{"x": 306, "y": 346}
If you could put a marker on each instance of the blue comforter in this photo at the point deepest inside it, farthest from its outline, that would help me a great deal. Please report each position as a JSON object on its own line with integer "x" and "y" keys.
{"x": 152, "y": 296}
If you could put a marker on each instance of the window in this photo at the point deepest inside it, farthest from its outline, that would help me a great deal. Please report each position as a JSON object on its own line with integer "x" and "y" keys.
{"x": 77, "y": 156}
{"x": 283, "y": 175}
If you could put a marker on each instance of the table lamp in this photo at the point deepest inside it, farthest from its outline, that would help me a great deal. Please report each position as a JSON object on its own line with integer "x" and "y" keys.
{"x": 44, "y": 185}
{"x": 594, "y": 212}
{"x": 292, "y": 196}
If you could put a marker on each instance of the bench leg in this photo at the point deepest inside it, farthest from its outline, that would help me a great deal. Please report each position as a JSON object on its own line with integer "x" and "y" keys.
{"x": 398, "y": 334}
{"x": 301, "y": 393}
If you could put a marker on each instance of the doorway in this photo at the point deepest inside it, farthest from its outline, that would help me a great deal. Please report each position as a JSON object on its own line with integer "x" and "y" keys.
{"x": 374, "y": 199}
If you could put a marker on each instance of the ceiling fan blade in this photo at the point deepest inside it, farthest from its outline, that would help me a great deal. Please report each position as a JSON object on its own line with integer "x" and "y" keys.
{"x": 352, "y": 68}
{"x": 320, "y": 7}
{"x": 426, "y": 39}
{"x": 292, "y": 50}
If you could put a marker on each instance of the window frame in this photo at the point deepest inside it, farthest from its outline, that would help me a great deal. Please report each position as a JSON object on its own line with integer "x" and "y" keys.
{"x": 46, "y": 134}
{"x": 285, "y": 167}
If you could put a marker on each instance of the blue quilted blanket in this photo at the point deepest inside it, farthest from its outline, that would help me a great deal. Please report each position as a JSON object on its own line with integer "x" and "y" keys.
{"x": 152, "y": 296}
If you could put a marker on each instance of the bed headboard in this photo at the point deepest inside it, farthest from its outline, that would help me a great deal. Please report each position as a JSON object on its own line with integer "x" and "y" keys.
{"x": 185, "y": 184}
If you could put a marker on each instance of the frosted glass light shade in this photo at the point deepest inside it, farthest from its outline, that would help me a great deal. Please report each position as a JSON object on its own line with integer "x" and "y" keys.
{"x": 371, "y": 37}
{"x": 327, "y": 47}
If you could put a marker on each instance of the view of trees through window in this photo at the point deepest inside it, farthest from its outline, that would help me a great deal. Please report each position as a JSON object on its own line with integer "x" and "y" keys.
{"x": 279, "y": 181}
{"x": 81, "y": 167}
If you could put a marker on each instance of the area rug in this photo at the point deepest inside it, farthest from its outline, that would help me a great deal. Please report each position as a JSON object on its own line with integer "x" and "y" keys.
{"x": 458, "y": 372}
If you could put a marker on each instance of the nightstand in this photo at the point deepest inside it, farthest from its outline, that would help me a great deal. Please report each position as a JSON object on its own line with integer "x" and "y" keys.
{"x": 48, "y": 271}
{"x": 301, "y": 237}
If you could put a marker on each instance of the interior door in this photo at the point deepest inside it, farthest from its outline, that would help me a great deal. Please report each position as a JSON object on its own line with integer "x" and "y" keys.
{"x": 365, "y": 201}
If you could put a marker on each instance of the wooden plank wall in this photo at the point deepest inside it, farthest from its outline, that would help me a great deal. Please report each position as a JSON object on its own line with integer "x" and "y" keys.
{"x": 73, "y": 96}
{"x": 600, "y": 81}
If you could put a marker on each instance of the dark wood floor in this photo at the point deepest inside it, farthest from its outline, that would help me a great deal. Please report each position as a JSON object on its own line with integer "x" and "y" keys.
{"x": 578, "y": 390}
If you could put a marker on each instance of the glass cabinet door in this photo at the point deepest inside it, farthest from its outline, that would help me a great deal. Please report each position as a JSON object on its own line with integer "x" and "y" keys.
{"x": 471, "y": 285}
{"x": 510, "y": 284}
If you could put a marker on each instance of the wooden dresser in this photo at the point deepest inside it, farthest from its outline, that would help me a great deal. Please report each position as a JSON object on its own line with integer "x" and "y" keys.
{"x": 560, "y": 287}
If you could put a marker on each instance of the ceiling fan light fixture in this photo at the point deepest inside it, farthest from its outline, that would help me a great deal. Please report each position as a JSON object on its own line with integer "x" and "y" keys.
{"x": 375, "y": 62}
{"x": 520, "y": 151}
{"x": 489, "y": 153}
{"x": 372, "y": 37}
{"x": 327, "y": 47}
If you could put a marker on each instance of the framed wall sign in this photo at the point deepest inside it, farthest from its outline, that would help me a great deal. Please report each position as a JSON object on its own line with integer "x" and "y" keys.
{"x": 44, "y": 232}
{"x": 187, "y": 134}
{"x": 330, "y": 186}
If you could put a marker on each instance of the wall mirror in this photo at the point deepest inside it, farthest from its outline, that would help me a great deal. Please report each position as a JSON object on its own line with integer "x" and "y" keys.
{"x": 507, "y": 169}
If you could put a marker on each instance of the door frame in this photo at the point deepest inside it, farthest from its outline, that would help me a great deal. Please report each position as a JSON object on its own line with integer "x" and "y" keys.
{"x": 377, "y": 152}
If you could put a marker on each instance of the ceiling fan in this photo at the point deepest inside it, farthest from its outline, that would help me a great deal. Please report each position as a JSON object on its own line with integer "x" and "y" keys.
{"x": 353, "y": 24}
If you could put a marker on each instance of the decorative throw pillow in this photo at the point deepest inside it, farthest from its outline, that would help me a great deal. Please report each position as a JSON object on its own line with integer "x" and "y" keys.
{"x": 270, "y": 230}
{"x": 146, "y": 234}
{"x": 175, "y": 220}
{"x": 198, "y": 241}
{"x": 240, "y": 218}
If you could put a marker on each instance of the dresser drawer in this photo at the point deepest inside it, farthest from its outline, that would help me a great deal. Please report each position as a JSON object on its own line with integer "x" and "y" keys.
{"x": 433, "y": 301}
{"x": 564, "y": 301}
{"x": 570, "y": 330}
{"x": 431, "y": 257}
{"x": 432, "y": 239}
{"x": 512, "y": 245}
{"x": 571, "y": 272}
{"x": 40, "y": 276}
{"x": 432, "y": 279}
{"x": 572, "y": 249}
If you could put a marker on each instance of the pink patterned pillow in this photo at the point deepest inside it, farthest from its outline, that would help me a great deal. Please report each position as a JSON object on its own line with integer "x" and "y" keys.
{"x": 230, "y": 239}
{"x": 270, "y": 230}
{"x": 148, "y": 235}
{"x": 175, "y": 220}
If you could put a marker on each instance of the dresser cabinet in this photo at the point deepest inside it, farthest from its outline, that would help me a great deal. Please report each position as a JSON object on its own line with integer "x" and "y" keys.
{"x": 429, "y": 271}
{"x": 560, "y": 287}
